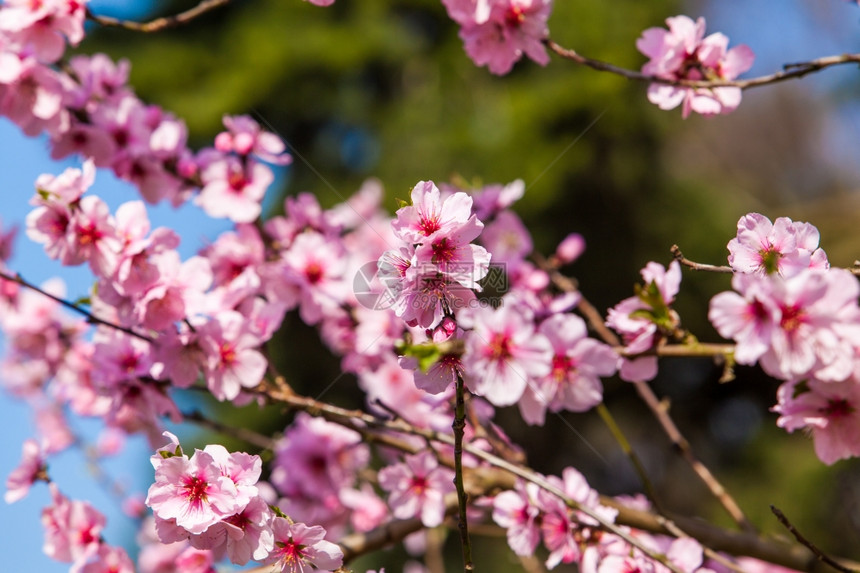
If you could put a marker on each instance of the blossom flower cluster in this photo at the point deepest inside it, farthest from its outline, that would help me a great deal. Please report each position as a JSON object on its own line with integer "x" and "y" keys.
{"x": 86, "y": 107}
{"x": 799, "y": 320}
{"x": 789, "y": 312}
{"x": 164, "y": 323}
{"x": 524, "y": 348}
{"x": 497, "y": 33}
{"x": 646, "y": 320}
{"x": 211, "y": 501}
{"x": 684, "y": 53}
{"x": 531, "y": 514}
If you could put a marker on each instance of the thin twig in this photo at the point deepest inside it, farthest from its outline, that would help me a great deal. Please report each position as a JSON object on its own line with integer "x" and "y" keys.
{"x": 355, "y": 419}
{"x": 789, "y": 71}
{"x": 459, "y": 427}
{"x": 243, "y": 434}
{"x": 806, "y": 543}
{"x": 91, "y": 318}
{"x": 679, "y": 256}
{"x": 502, "y": 475}
{"x": 682, "y": 446}
{"x": 686, "y": 350}
{"x": 628, "y": 450}
{"x": 159, "y": 23}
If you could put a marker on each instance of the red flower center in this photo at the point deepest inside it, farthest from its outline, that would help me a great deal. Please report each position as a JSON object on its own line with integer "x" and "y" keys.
{"x": 837, "y": 408}
{"x": 515, "y": 16}
{"x": 195, "y": 490}
{"x": 792, "y": 318}
{"x": 499, "y": 347}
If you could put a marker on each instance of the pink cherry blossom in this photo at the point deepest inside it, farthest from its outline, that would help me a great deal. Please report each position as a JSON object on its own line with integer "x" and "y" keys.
{"x": 317, "y": 457}
{"x": 793, "y": 327}
{"x": 684, "y": 53}
{"x": 417, "y": 488}
{"x": 507, "y": 239}
{"x": 641, "y": 320}
{"x": 316, "y": 267}
{"x": 451, "y": 254}
{"x": 570, "y": 248}
{"x": 232, "y": 359}
{"x": 109, "y": 559}
{"x": 243, "y": 469}
{"x": 782, "y": 247}
{"x": 429, "y": 215}
{"x": 503, "y": 353}
{"x": 72, "y": 528}
{"x": 191, "y": 491}
{"x": 299, "y": 548}
{"x": 33, "y": 98}
{"x": 517, "y": 511}
{"x": 578, "y": 363}
{"x": 831, "y": 411}
{"x": 565, "y": 533}
{"x": 244, "y": 136}
{"x": 368, "y": 510}
{"x": 31, "y": 468}
{"x": 232, "y": 188}
{"x": 493, "y": 199}
{"x": 497, "y": 33}
{"x": 43, "y": 25}
{"x": 177, "y": 294}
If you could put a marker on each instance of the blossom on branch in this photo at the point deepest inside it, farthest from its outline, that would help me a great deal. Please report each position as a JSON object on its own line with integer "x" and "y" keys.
{"x": 496, "y": 33}
{"x": 299, "y": 548}
{"x": 794, "y": 327}
{"x": 830, "y": 411}
{"x": 646, "y": 319}
{"x": 31, "y": 468}
{"x": 782, "y": 247}
{"x": 684, "y": 53}
{"x": 417, "y": 488}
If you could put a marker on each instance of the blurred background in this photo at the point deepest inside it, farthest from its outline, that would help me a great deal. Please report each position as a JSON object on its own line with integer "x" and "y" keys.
{"x": 382, "y": 88}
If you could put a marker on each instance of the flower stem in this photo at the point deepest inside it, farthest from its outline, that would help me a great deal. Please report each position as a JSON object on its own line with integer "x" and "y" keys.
{"x": 459, "y": 426}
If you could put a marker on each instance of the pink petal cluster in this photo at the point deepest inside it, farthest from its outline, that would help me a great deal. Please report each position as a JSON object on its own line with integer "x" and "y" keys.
{"x": 644, "y": 320}
{"x": 784, "y": 247}
{"x": 417, "y": 488}
{"x": 578, "y": 363}
{"x": 86, "y": 107}
{"x": 794, "y": 327}
{"x": 211, "y": 500}
{"x": 830, "y": 411}
{"x": 496, "y": 33}
{"x": 504, "y": 353}
{"x": 684, "y": 53}
{"x": 31, "y": 468}
{"x": 299, "y": 548}
{"x": 433, "y": 276}
{"x": 316, "y": 465}
{"x": 530, "y": 514}
{"x": 72, "y": 529}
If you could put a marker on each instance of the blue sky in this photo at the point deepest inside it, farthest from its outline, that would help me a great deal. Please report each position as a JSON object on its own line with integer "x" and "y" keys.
{"x": 799, "y": 30}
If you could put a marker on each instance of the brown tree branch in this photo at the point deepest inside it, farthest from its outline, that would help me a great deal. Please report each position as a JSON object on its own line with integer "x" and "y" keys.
{"x": 459, "y": 426}
{"x": 595, "y": 319}
{"x": 502, "y": 475}
{"x": 161, "y": 23}
{"x": 789, "y": 71}
{"x": 243, "y": 434}
{"x": 682, "y": 446}
{"x": 91, "y": 318}
{"x": 679, "y": 256}
{"x": 803, "y": 541}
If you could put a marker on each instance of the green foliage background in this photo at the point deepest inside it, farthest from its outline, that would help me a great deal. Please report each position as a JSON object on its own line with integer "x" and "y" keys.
{"x": 383, "y": 88}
